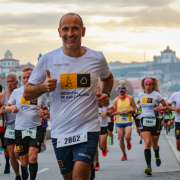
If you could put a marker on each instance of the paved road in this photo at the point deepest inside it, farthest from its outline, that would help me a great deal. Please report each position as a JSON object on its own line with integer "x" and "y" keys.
{"x": 114, "y": 169}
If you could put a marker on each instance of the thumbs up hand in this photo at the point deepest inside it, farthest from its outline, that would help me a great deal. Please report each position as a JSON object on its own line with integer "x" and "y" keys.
{"x": 49, "y": 83}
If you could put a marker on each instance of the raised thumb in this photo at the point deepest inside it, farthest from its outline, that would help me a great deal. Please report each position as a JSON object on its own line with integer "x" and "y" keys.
{"x": 48, "y": 74}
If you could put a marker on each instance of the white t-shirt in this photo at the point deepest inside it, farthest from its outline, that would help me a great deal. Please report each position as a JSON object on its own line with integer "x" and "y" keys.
{"x": 175, "y": 100}
{"x": 73, "y": 104}
{"x": 148, "y": 102}
{"x": 103, "y": 120}
{"x": 27, "y": 116}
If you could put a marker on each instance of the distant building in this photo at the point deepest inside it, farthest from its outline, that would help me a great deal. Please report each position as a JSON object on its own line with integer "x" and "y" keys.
{"x": 8, "y": 64}
{"x": 167, "y": 56}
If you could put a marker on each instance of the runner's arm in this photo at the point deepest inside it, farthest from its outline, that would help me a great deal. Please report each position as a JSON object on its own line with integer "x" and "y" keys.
{"x": 107, "y": 85}
{"x": 33, "y": 91}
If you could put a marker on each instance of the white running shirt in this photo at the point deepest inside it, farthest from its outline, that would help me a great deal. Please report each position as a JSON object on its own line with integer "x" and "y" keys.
{"x": 73, "y": 104}
{"x": 27, "y": 116}
{"x": 148, "y": 102}
{"x": 175, "y": 100}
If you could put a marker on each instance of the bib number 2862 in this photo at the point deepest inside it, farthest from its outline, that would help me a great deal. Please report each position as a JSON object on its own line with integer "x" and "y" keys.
{"x": 69, "y": 140}
{"x": 149, "y": 122}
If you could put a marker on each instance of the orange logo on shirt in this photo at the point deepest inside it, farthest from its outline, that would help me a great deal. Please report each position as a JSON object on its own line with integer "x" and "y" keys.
{"x": 74, "y": 81}
{"x": 146, "y": 100}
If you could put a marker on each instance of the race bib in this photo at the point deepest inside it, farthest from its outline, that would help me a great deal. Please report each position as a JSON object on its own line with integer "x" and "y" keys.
{"x": 167, "y": 117}
{"x": 149, "y": 122}
{"x": 10, "y": 133}
{"x": 122, "y": 118}
{"x": 29, "y": 133}
{"x": 69, "y": 140}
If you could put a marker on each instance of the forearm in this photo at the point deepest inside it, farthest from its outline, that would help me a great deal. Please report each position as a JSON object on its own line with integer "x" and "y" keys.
{"x": 174, "y": 109}
{"x": 33, "y": 91}
{"x": 107, "y": 85}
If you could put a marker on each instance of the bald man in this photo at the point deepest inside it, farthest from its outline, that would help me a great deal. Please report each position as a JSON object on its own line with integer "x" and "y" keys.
{"x": 71, "y": 74}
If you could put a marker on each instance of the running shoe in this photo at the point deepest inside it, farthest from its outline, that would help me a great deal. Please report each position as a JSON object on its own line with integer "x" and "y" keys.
{"x": 148, "y": 171}
{"x": 124, "y": 158}
{"x": 97, "y": 168}
{"x": 18, "y": 178}
{"x": 158, "y": 162}
{"x": 104, "y": 153}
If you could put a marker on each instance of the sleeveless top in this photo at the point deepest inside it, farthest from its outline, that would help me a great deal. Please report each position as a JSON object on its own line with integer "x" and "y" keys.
{"x": 123, "y": 105}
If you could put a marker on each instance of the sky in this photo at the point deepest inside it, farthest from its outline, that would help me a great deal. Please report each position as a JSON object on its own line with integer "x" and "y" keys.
{"x": 125, "y": 30}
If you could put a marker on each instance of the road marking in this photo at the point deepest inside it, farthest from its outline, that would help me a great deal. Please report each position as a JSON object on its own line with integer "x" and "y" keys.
{"x": 167, "y": 171}
{"x": 43, "y": 170}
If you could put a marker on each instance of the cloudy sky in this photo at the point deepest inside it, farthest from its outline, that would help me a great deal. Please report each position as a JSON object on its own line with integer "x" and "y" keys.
{"x": 125, "y": 30}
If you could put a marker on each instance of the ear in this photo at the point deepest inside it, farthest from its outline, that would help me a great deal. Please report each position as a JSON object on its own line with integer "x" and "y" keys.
{"x": 83, "y": 31}
{"x": 59, "y": 31}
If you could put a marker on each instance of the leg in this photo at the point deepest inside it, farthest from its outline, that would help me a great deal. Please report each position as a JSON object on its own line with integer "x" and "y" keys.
{"x": 155, "y": 140}
{"x": 147, "y": 150}
{"x": 64, "y": 158}
{"x": 33, "y": 165}
{"x": 7, "y": 165}
{"x": 121, "y": 134}
{"x": 13, "y": 160}
{"x": 24, "y": 163}
{"x": 22, "y": 146}
{"x": 6, "y": 155}
{"x": 103, "y": 141}
{"x": 110, "y": 132}
{"x": 81, "y": 171}
{"x": 128, "y": 132}
{"x": 178, "y": 144}
{"x": 177, "y": 133}
{"x": 83, "y": 155}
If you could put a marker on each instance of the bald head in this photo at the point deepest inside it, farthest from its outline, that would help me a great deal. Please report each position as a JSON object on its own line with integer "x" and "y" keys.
{"x": 71, "y": 14}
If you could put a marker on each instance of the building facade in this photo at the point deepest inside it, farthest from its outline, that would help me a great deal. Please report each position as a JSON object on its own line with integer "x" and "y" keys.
{"x": 8, "y": 64}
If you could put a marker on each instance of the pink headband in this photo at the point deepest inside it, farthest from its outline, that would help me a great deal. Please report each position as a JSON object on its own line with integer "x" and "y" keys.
{"x": 148, "y": 80}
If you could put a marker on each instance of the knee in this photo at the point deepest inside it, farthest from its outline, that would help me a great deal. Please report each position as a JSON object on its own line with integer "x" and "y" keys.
{"x": 147, "y": 145}
{"x": 121, "y": 139}
{"x": 128, "y": 139}
{"x": 24, "y": 163}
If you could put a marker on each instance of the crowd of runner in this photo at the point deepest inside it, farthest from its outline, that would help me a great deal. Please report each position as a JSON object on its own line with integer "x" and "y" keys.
{"x": 72, "y": 86}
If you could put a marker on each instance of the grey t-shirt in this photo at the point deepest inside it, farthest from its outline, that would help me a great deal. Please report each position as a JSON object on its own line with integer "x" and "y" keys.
{"x": 9, "y": 117}
{"x": 73, "y": 104}
{"x": 27, "y": 116}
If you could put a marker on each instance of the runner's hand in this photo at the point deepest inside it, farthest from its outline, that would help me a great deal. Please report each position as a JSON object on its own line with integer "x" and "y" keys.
{"x": 11, "y": 108}
{"x": 103, "y": 99}
{"x": 49, "y": 83}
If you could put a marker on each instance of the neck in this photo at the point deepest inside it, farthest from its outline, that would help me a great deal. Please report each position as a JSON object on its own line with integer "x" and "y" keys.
{"x": 148, "y": 92}
{"x": 75, "y": 52}
{"x": 9, "y": 92}
{"x": 122, "y": 97}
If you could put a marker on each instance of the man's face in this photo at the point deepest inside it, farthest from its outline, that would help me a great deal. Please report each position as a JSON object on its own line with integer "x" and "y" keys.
{"x": 26, "y": 76}
{"x": 71, "y": 31}
{"x": 11, "y": 83}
